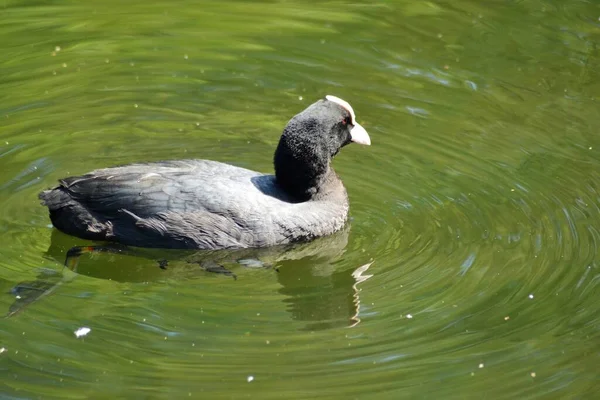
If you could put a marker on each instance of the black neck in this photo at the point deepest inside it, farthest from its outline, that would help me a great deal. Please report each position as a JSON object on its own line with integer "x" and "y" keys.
{"x": 301, "y": 168}
{"x": 301, "y": 181}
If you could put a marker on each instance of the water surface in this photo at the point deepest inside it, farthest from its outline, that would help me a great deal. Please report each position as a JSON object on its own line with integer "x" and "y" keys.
{"x": 470, "y": 266}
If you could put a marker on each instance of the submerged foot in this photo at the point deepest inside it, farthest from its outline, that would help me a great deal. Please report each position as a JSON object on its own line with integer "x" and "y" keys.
{"x": 74, "y": 253}
{"x": 211, "y": 266}
{"x": 163, "y": 263}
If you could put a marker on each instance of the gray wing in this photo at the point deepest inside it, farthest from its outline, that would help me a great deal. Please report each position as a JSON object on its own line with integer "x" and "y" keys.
{"x": 175, "y": 186}
{"x": 209, "y": 230}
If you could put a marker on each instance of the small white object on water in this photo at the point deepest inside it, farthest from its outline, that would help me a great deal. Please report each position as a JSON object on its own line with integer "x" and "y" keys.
{"x": 409, "y": 316}
{"x": 481, "y": 365}
{"x": 533, "y": 374}
{"x": 82, "y": 331}
{"x": 250, "y": 378}
{"x": 2, "y": 350}
{"x": 531, "y": 296}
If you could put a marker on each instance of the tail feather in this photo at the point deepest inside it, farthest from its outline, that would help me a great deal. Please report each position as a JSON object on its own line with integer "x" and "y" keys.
{"x": 55, "y": 198}
{"x": 72, "y": 217}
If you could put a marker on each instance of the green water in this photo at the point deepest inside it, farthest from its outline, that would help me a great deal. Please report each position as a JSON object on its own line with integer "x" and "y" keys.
{"x": 469, "y": 270}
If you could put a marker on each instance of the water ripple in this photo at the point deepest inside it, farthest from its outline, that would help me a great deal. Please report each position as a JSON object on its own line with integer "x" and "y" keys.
{"x": 470, "y": 264}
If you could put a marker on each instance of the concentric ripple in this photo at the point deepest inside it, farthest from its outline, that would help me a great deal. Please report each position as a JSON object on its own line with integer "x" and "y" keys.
{"x": 469, "y": 267}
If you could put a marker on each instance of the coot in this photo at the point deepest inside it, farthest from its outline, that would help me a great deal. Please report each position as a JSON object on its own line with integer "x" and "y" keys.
{"x": 201, "y": 204}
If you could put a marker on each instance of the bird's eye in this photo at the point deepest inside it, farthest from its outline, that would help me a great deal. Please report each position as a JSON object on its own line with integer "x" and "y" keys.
{"x": 345, "y": 121}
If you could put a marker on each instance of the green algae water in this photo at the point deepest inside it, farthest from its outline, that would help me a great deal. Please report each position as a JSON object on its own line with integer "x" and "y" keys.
{"x": 469, "y": 268}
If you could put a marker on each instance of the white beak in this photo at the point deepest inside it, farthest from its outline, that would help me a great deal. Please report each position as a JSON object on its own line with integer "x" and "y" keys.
{"x": 359, "y": 135}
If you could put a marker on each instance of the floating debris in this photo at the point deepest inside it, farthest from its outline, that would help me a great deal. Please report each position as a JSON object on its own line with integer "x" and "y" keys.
{"x": 533, "y": 374}
{"x": 531, "y": 296}
{"x": 250, "y": 378}
{"x": 2, "y": 350}
{"x": 481, "y": 365}
{"x": 506, "y": 318}
{"x": 82, "y": 331}
{"x": 409, "y": 316}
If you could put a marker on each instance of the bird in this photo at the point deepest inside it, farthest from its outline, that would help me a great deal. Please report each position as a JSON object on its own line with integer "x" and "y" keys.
{"x": 210, "y": 205}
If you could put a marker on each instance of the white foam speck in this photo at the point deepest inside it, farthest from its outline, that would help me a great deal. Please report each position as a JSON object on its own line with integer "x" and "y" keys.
{"x": 82, "y": 331}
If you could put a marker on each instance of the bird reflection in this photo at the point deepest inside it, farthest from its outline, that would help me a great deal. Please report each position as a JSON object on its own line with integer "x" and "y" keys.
{"x": 319, "y": 287}
{"x": 320, "y": 294}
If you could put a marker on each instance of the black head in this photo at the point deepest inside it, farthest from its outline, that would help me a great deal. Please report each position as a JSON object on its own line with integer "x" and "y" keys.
{"x": 309, "y": 142}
